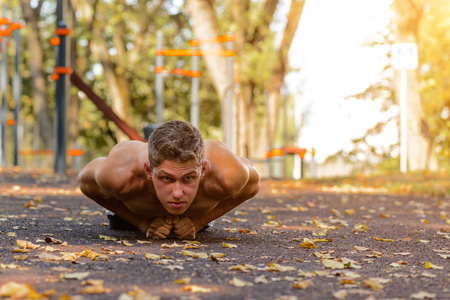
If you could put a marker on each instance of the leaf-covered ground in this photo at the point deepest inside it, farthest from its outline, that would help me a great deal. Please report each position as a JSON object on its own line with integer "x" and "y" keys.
{"x": 289, "y": 242}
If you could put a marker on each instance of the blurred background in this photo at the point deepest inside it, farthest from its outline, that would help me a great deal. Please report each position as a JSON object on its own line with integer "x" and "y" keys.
{"x": 313, "y": 75}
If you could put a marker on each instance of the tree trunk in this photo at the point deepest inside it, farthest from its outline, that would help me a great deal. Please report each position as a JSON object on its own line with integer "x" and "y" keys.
{"x": 36, "y": 63}
{"x": 420, "y": 154}
{"x": 118, "y": 90}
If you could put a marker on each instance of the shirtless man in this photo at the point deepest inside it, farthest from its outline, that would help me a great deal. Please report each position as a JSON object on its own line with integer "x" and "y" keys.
{"x": 178, "y": 183}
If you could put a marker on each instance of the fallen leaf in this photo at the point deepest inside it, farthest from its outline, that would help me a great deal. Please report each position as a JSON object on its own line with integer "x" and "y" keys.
{"x": 350, "y": 211}
{"x": 21, "y": 250}
{"x": 11, "y": 234}
{"x": 18, "y": 291}
{"x": 195, "y": 254}
{"x": 26, "y": 244}
{"x": 20, "y": 257}
{"x": 429, "y": 265}
{"x": 308, "y": 245}
{"x": 373, "y": 283}
{"x": 240, "y": 283}
{"x": 423, "y": 295}
{"x": 152, "y": 256}
{"x": 78, "y": 275}
{"x": 332, "y": 264}
{"x": 174, "y": 245}
{"x": 361, "y": 248}
{"x": 196, "y": 289}
{"x": 382, "y": 240}
{"x": 423, "y": 241}
{"x": 228, "y": 245}
{"x": 49, "y": 257}
{"x": 185, "y": 280}
{"x": 94, "y": 255}
{"x": 302, "y": 284}
{"x": 94, "y": 287}
{"x": 273, "y": 267}
{"x": 429, "y": 275}
{"x": 341, "y": 294}
{"x": 261, "y": 279}
{"x": 242, "y": 267}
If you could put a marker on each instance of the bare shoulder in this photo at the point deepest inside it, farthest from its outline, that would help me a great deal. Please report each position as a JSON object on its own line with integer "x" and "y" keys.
{"x": 231, "y": 174}
{"x": 122, "y": 170}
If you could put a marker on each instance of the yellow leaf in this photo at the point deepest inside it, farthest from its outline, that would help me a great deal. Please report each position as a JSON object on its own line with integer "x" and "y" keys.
{"x": 11, "y": 234}
{"x": 20, "y": 257}
{"x": 21, "y": 250}
{"x": 322, "y": 240}
{"x": 382, "y": 240}
{"x": 18, "y": 291}
{"x": 240, "y": 283}
{"x": 107, "y": 238}
{"x": 174, "y": 245}
{"x": 93, "y": 255}
{"x": 360, "y": 248}
{"x": 308, "y": 245}
{"x": 242, "y": 267}
{"x": 429, "y": 265}
{"x": 228, "y": 245}
{"x": 195, "y": 254}
{"x": 152, "y": 256}
{"x": 373, "y": 284}
{"x": 49, "y": 257}
{"x": 424, "y": 221}
{"x": 350, "y": 211}
{"x": 302, "y": 284}
{"x": 278, "y": 268}
{"x": 185, "y": 280}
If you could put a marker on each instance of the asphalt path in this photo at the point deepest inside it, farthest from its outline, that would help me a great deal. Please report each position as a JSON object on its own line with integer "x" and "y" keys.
{"x": 286, "y": 243}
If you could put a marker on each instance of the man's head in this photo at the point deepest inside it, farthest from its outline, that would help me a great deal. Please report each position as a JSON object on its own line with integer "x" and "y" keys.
{"x": 176, "y": 141}
{"x": 176, "y": 164}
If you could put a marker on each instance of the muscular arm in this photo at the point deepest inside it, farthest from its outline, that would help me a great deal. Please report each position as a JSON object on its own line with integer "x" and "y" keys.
{"x": 238, "y": 179}
{"x": 87, "y": 180}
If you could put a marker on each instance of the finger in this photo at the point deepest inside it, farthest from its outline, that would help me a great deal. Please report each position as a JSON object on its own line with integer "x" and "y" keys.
{"x": 150, "y": 234}
{"x": 169, "y": 219}
{"x": 175, "y": 220}
{"x": 164, "y": 230}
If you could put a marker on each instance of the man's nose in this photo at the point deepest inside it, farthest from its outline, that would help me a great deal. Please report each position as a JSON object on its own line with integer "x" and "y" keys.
{"x": 177, "y": 191}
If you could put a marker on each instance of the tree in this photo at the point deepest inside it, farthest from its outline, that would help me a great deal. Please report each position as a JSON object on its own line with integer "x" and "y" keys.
{"x": 420, "y": 147}
{"x": 259, "y": 66}
{"x": 38, "y": 78}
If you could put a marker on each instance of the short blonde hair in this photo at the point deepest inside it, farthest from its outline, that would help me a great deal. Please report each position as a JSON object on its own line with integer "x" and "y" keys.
{"x": 175, "y": 140}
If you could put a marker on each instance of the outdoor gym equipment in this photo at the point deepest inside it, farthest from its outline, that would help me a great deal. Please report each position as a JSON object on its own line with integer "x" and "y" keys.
{"x": 195, "y": 53}
{"x": 277, "y": 153}
{"x": 6, "y": 29}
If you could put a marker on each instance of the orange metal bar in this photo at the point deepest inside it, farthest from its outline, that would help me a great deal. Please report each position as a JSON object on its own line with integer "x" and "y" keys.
{"x": 63, "y": 70}
{"x": 219, "y": 39}
{"x": 5, "y": 32}
{"x": 10, "y": 122}
{"x": 277, "y": 152}
{"x": 160, "y": 69}
{"x": 15, "y": 25}
{"x": 71, "y": 152}
{"x": 63, "y": 31}
{"x": 190, "y": 73}
{"x": 190, "y": 52}
{"x": 4, "y": 21}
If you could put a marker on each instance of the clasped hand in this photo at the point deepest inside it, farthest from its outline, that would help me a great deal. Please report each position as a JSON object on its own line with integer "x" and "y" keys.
{"x": 161, "y": 227}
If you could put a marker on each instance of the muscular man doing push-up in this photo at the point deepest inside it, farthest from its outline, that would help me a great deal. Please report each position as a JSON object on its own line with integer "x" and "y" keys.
{"x": 178, "y": 183}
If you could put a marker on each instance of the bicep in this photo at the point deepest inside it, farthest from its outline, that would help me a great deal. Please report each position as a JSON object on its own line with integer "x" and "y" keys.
{"x": 88, "y": 181}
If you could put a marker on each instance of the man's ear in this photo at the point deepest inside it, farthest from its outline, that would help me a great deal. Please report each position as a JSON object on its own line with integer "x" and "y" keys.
{"x": 148, "y": 170}
{"x": 205, "y": 168}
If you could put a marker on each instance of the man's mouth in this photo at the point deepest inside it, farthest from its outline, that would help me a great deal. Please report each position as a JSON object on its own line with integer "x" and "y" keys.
{"x": 176, "y": 205}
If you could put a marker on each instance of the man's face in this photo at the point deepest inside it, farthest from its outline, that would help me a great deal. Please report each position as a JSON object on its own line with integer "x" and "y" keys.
{"x": 176, "y": 184}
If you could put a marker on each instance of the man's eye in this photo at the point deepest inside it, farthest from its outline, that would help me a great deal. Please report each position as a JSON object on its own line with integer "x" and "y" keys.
{"x": 165, "y": 178}
{"x": 188, "y": 178}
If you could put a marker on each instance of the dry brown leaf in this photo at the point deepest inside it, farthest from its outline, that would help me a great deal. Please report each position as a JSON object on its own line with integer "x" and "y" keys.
{"x": 195, "y": 254}
{"x": 242, "y": 267}
{"x": 429, "y": 265}
{"x": 78, "y": 275}
{"x": 184, "y": 280}
{"x": 228, "y": 245}
{"x": 196, "y": 289}
{"x": 361, "y": 248}
{"x": 26, "y": 244}
{"x": 423, "y": 295}
{"x": 340, "y": 294}
{"x": 302, "y": 284}
{"x": 332, "y": 264}
{"x": 49, "y": 257}
{"x": 240, "y": 283}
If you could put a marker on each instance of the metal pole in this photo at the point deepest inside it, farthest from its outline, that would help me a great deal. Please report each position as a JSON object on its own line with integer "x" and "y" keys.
{"x": 194, "y": 93}
{"x": 285, "y": 135}
{"x": 269, "y": 138}
{"x": 3, "y": 84}
{"x": 159, "y": 84}
{"x": 403, "y": 121}
{"x": 60, "y": 151}
{"x": 228, "y": 137}
{"x": 17, "y": 87}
